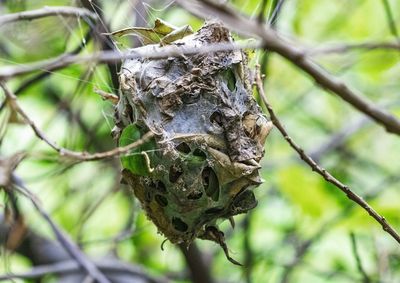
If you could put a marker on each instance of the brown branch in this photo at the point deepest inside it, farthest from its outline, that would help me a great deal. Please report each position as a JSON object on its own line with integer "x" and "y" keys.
{"x": 99, "y": 34}
{"x": 306, "y": 245}
{"x": 342, "y": 48}
{"x": 70, "y": 247}
{"x": 46, "y": 12}
{"x": 321, "y": 171}
{"x": 360, "y": 268}
{"x": 390, "y": 19}
{"x": 275, "y": 42}
{"x": 153, "y": 52}
{"x": 117, "y": 270}
{"x": 49, "y": 257}
{"x": 80, "y": 156}
{"x": 199, "y": 268}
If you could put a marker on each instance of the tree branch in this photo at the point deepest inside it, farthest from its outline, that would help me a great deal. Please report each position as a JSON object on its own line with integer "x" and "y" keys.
{"x": 62, "y": 238}
{"x": 81, "y": 156}
{"x": 46, "y": 12}
{"x": 199, "y": 268}
{"x": 49, "y": 257}
{"x": 358, "y": 259}
{"x": 321, "y": 171}
{"x": 342, "y": 48}
{"x": 153, "y": 52}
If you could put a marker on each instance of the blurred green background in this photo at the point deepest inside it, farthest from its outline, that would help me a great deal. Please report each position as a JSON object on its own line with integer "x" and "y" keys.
{"x": 301, "y": 229}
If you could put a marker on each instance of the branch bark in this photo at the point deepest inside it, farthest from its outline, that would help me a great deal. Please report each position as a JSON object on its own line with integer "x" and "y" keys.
{"x": 81, "y": 156}
{"x": 46, "y": 12}
{"x": 321, "y": 171}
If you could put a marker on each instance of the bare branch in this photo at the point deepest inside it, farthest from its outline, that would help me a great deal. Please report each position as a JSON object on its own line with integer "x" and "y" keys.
{"x": 276, "y": 43}
{"x": 198, "y": 266}
{"x": 151, "y": 52}
{"x": 69, "y": 266}
{"x": 81, "y": 156}
{"x": 64, "y": 11}
{"x": 342, "y": 48}
{"x": 321, "y": 171}
{"x": 390, "y": 19}
{"x": 107, "y": 96}
{"x": 62, "y": 238}
{"x": 360, "y": 268}
{"x": 57, "y": 262}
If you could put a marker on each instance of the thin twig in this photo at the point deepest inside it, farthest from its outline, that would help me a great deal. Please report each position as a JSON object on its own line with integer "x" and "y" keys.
{"x": 390, "y": 20}
{"x": 275, "y": 42}
{"x": 38, "y": 77}
{"x": 70, "y": 266}
{"x": 150, "y": 52}
{"x": 360, "y": 268}
{"x": 107, "y": 96}
{"x": 62, "y": 238}
{"x": 306, "y": 245}
{"x": 318, "y": 169}
{"x": 275, "y": 13}
{"x": 261, "y": 13}
{"x": 64, "y": 11}
{"x": 81, "y": 156}
{"x": 343, "y": 48}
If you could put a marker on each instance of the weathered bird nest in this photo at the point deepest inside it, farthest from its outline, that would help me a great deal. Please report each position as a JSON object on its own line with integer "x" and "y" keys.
{"x": 203, "y": 162}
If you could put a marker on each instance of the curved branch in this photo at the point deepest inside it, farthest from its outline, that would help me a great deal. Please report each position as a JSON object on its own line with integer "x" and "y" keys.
{"x": 81, "y": 156}
{"x": 64, "y": 11}
{"x": 321, "y": 171}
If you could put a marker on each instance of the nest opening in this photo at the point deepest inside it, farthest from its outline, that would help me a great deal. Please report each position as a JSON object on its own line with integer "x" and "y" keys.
{"x": 210, "y": 183}
{"x": 183, "y": 147}
{"x": 174, "y": 173}
{"x": 179, "y": 225}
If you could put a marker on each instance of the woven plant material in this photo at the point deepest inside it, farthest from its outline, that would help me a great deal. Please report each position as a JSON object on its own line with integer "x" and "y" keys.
{"x": 203, "y": 162}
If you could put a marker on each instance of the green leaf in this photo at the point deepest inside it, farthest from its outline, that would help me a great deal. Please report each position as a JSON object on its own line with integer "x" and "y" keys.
{"x": 136, "y": 161}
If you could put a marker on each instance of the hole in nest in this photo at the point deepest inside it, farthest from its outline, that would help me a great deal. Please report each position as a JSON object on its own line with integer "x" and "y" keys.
{"x": 195, "y": 195}
{"x": 190, "y": 98}
{"x": 229, "y": 75}
{"x": 159, "y": 186}
{"x": 199, "y": 153}
{"x": 147, "y": 196}
{"x": 210, "y": 183}
{"x": 161, "y": 200}
{"x": 216, "y": 118}
{"x": 174, "y": 173}
{"x": 183, "y": 147}
{"x": 214, "y": 210}
{"x": 179, "y": 224}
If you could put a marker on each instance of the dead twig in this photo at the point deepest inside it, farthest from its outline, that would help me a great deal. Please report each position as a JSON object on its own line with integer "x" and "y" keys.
{"x": 156, "y": 52}
{"x": 318, "y": 169}
{"x": 107, "y": 96}
{"x": 343, "y": 48}
{"x": 80, "y": 156}
{"x": 62, "y": 238}
{"x": 360, "y": 267}
{"x": 64, "y": 11}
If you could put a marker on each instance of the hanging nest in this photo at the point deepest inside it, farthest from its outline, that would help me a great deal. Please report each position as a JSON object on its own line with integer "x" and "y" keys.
{"x": 203, "y": 162}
